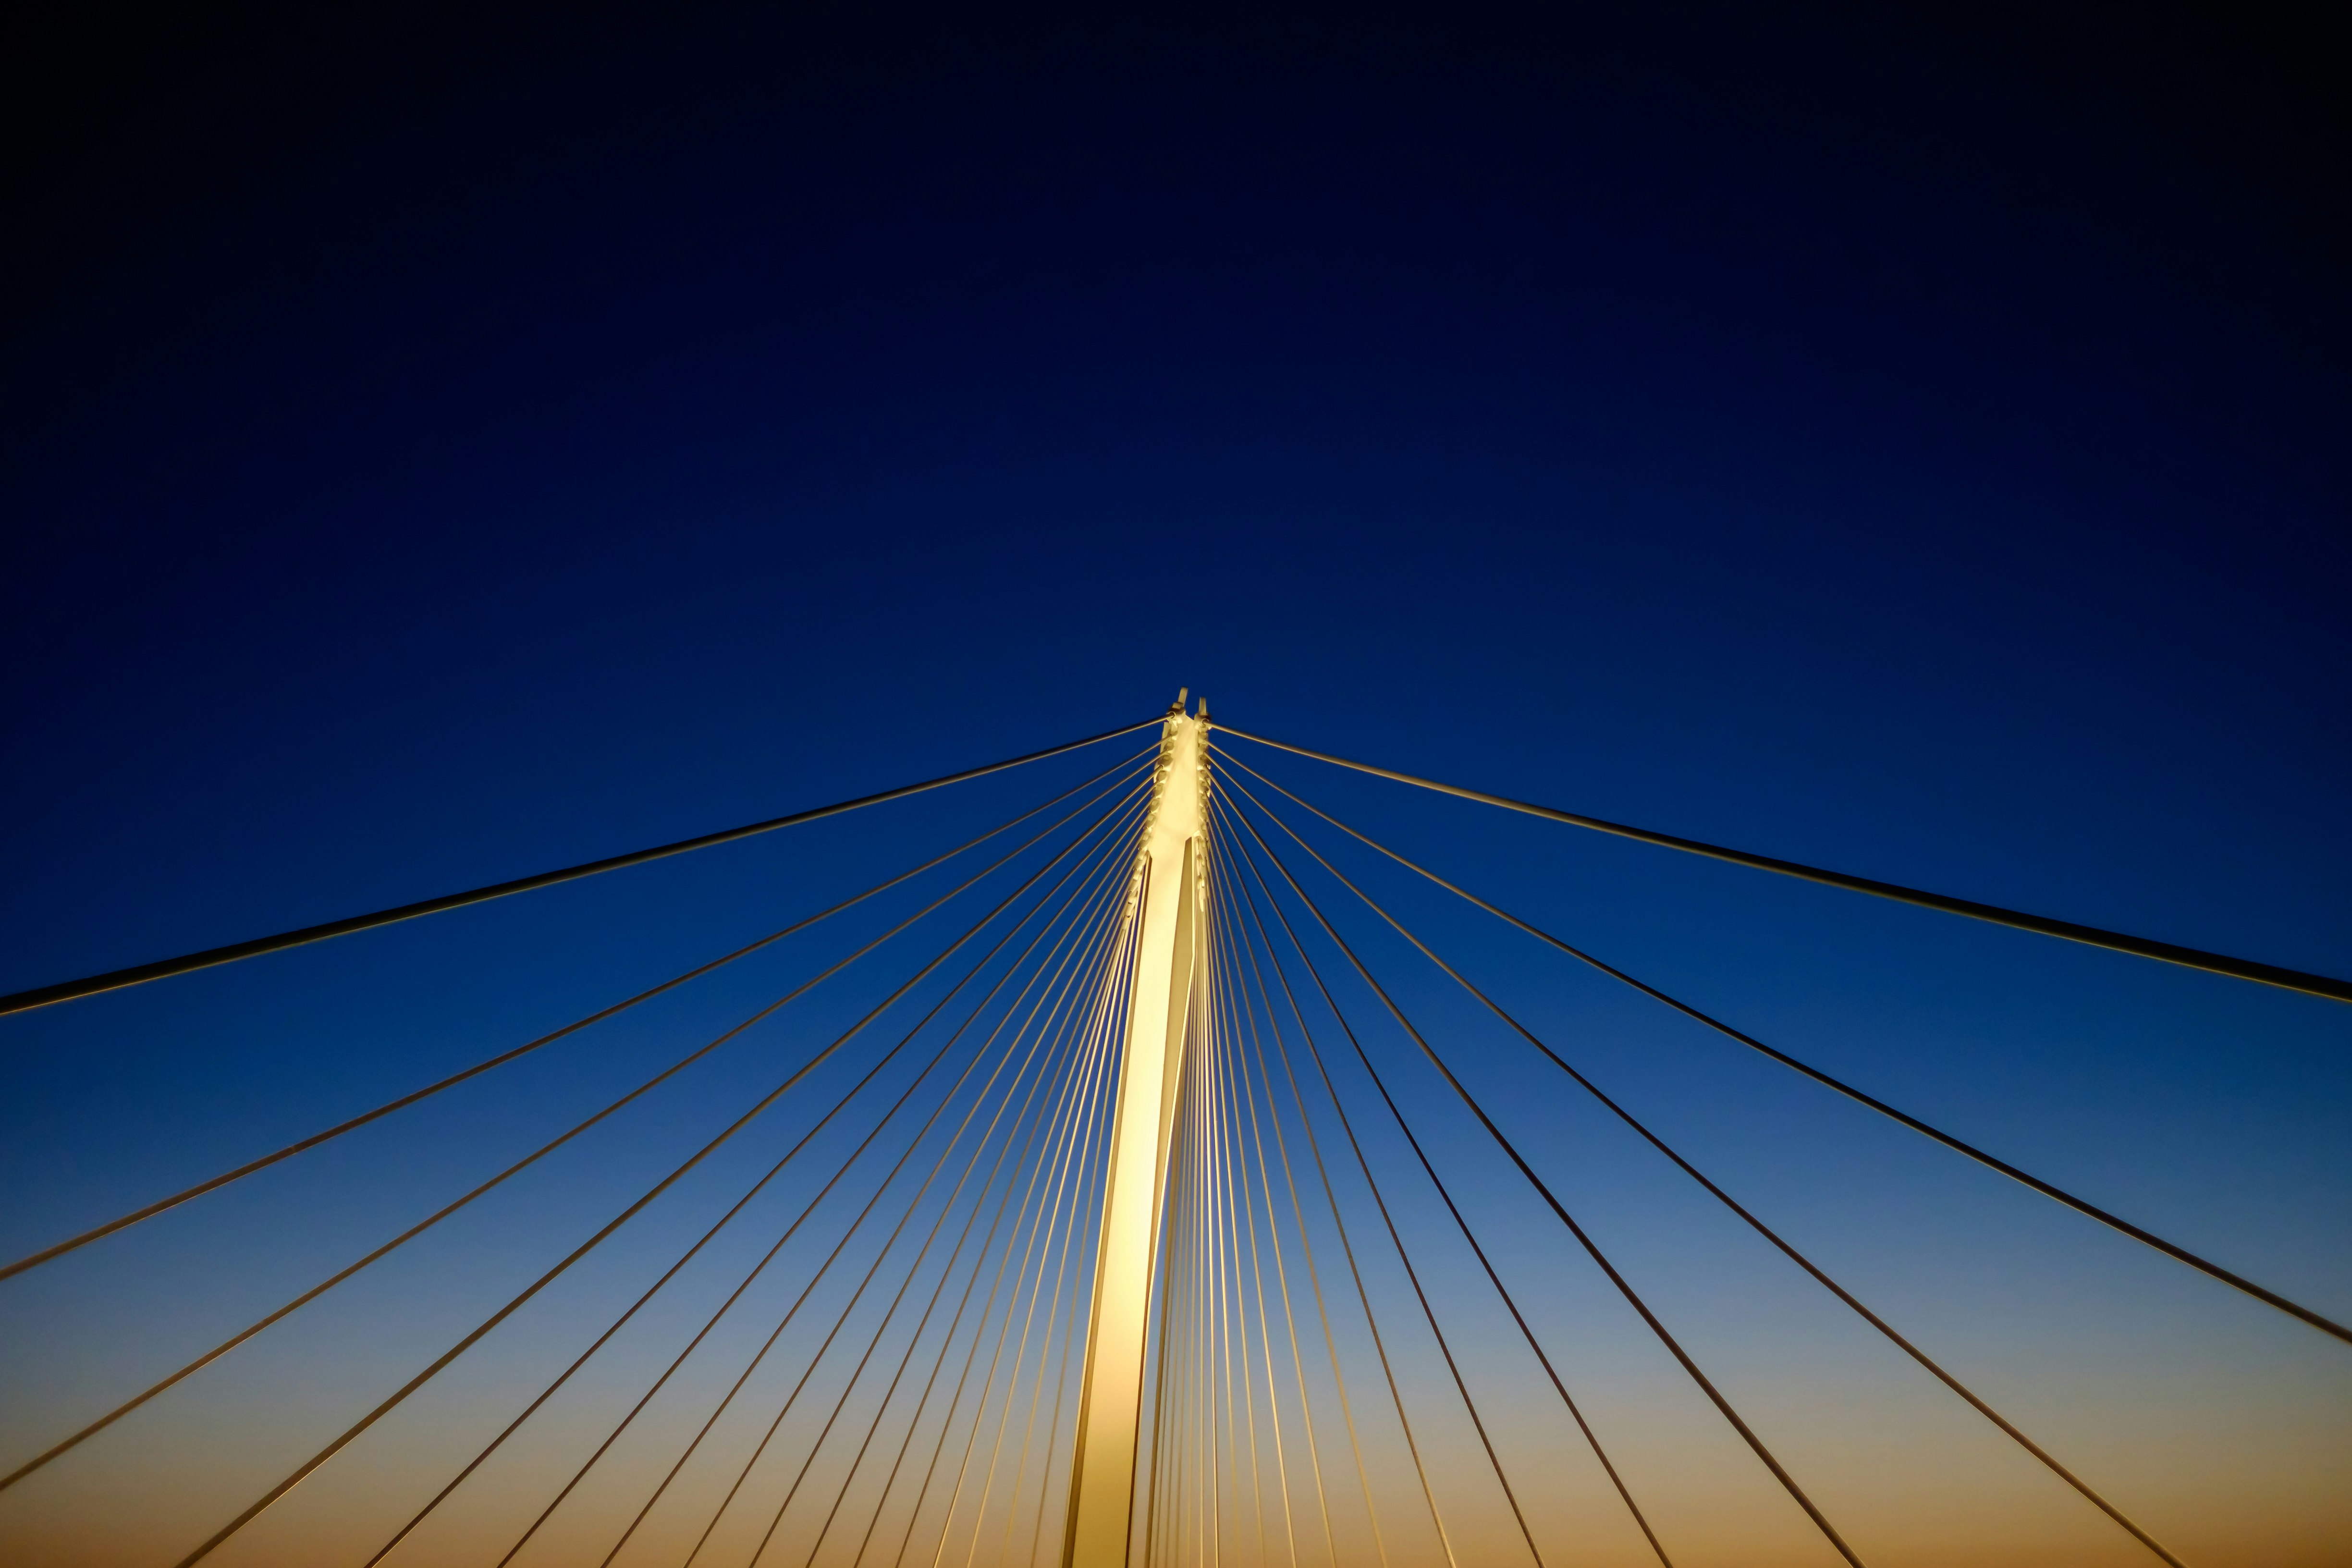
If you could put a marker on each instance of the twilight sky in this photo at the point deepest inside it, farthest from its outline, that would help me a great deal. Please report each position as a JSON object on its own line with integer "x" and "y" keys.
{"x": 443, "y": 443}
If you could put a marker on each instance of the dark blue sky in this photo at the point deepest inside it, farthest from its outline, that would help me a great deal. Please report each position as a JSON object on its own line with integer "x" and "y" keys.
{"x": 441, "y": 444}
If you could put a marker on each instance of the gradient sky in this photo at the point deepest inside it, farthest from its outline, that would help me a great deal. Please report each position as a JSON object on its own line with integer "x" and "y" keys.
{"x": 445, "y": 442}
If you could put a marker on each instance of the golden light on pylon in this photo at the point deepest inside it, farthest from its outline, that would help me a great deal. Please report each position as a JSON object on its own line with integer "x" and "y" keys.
{"x": 1167, "y": 900}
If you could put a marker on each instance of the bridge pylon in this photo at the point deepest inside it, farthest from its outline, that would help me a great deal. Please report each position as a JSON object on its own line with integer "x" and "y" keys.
{"x": 1166, "y": 917}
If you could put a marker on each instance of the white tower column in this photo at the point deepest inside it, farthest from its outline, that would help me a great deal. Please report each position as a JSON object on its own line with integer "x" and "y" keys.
{"x": 1167, "y": 896}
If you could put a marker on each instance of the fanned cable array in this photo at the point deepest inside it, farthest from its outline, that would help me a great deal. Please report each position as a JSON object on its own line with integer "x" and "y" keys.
{"x": 1275, "y": 923}
{"x": 935, "y": 1260}
{"x": 877, "y": 1344}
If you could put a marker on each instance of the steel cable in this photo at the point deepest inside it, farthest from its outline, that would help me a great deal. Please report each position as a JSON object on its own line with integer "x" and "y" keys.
{"x": 905, "y": 1360}
{"x": 1232, "y": 1158}
{"x": 979, "y": 1408}
{"x": 761, "y": 1267}
{"x": 1233, "y": 1093}
{"x": 1082, "y": 1169}
{"x": 889, "y": 1392}
{"x": 1200, "y": 1411}
{"x": 812, "y": 1204}
{"x": 140, "y": 975}
{"x": 1347, "y": 1248}
{"x": 2041, "y": 925}
{"x": 1108, "y": 1017}
{"x": 1216, "y": 1355}
{"x": 1217, "y": 1395}
{"x": 1041, "y": 1249}
{"x": 189, "y": 1369}
{"x": 822, "y": 1122}
{"x": 1052, "y": 993}
{"x": 1190, "y": 1357}
{"x": 1762, "y": 1229}
{"x": 1307, "y": 1246}
{"x": 255, "y": 1510}
{"x": 1121, "y": 961}
{"x": 913, "y": 1421}
{"x": 883, "y": 1327}
{"x": 1239, "y": 1015}
{"x": 1087, "y": 1197}
{"x": 1510, "y": 1304}
{"x": 2179, "y": 1254}
{"x": 1208, "y": 1515}
{"x": 1624, "y": 1288}
{"x": 300, "y": 1145}
{"x": 1241, "y": 1232}
{"x": 834, "y": 1256}
{"x": 1173, "y": 1222}
{"x": 1035, "y": 1130}
{"x": 1493, "y": 1459}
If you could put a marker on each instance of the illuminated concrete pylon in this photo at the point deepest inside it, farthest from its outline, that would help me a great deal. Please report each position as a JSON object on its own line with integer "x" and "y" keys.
{"x": 1168, "y": 898}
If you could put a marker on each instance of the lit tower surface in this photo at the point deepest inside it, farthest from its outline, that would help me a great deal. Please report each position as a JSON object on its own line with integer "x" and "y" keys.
{"x": 1167, "y": 896}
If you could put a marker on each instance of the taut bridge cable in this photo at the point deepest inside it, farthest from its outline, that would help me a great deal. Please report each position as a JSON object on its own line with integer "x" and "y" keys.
{"x": 2043, "y": 925}
{"x": 1091, "y": 1193}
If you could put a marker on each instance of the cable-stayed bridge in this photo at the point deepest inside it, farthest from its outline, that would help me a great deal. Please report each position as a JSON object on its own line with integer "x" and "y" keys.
{"x": 1124, "y": 1218}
